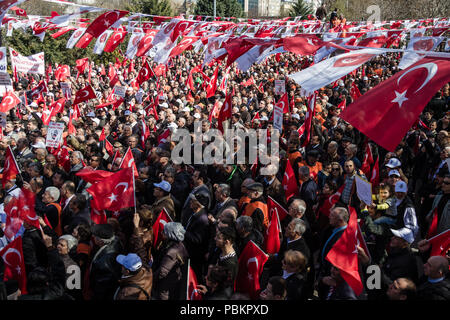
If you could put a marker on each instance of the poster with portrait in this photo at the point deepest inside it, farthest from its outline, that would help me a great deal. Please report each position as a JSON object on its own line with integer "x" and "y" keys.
{"x": 54, "y": 134}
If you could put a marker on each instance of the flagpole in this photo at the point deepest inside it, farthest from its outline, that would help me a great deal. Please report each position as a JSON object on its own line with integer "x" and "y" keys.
{"x": 187, "y": 279}
{"x": 134, "y": 189}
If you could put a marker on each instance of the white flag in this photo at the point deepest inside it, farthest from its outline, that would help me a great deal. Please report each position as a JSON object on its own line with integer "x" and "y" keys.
{"x": 75, "y": 37}
{"x": 419, "y": 44}
{"x": 133, "y": 44}
{"x": 327, "y": 71}
{"x": 101, "y": 42}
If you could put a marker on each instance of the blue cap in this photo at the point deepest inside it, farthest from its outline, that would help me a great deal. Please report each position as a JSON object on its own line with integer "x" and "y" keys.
{"x": 131, "y": 261}
{"x": 164, "y": 185}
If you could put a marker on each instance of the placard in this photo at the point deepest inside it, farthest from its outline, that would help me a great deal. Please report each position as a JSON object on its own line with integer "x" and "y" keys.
{"x": 54, "y": 134}
{"x": 278, "y": 118}
{"x": 364, "y": 190}
{"x": 280, "y": 87}
{"x": 2, "y": 120}
{"x": 120, "y": 91}
{"x": 3, "y": 62}
{"x": 67, "y": 91}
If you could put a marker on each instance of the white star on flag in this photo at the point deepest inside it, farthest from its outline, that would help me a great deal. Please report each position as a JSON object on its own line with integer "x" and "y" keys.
{"x": 400, "y": 98}
{"x": 112, "y": 197}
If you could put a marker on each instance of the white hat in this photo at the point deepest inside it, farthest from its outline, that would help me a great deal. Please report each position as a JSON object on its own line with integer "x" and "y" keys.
{"x": 96, "y": 120}
{"x": 33, "y": 104}
{"x": 394, "y": 172}
{"x": 365, "y": 78}
{"x": 91, "y": 114}
{"x": 401, "y": 186}
{"x": 164, "y": 105}
{"x": 172, "y": 126}
{"x": 264, "y": 118}
{"x": 186, "y": 109}
{"x": 39, "y": 145}
{"x": 404, "y": 233}
{"x": 141, "y": 111}
{"x": 295, "y": 116}
{"x": 197, "y": 116}
{"x": 393, "y": 163}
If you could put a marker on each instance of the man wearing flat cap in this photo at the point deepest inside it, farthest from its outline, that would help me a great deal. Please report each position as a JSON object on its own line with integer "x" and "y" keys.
{"x": 104, "y": 271}
{"x": 257, "y": 208}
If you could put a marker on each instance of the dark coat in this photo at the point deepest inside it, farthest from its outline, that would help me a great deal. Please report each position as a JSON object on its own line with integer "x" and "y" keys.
{"x": 402, "y": 263}
{"x": 276, "y": 191}
{"x": 434, "y": 291}
{"x": 105, "y": 272}
{"x": 295, "y": 287}
{"x": 196, "y": 238}
{"x": 129, "y": 288}
{"x": 34, "y": 250}
{"x": 168, "y": 271}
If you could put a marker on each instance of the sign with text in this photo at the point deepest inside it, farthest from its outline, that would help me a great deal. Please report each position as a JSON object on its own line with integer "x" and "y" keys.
{"x": 278, "y": 118}
{"x": 30, "y": 64}
{"x": 120, "y": 91}
{"x": 54, "y": 134}
{"x": 364, "y": 190}
{"x": 280, "y": 87}
{"x": 3, "y": 62}
{"x": 67, "y": 91}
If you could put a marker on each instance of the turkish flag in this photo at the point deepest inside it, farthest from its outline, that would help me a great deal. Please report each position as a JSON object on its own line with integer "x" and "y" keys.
{"x": 9, "y": 101}
{"x": 112, "y": 75}
{"x": 289, "y": 182}
{"x": 36, "y": 91}
{"x": 344, "y": 254}
{"x": 13, "y": 221}
{"x": 183, "y": 45}
{"x": 212, "y": 85}
{"x": 93, "y": 176}
{"x": 81, "y": 64}
{"x": 386, "y": 112}
{"x": 47, "y": 114}
{"x": 27, "y": 200}
{"x": 283, "y": 103}
{"x": 102, "y": 135}
{"x": 190, "y": 80}
{"x": 145, "y": 73}
{"x": 10, "y": 167}
{"x": 128, "y": 162}
{"x": 272, "y": 235}
{"x": 145, "y": 133}
{"x": 62, "y": 158}
{"x": 275, "y": 207}
{"x": 98, "y": 216}
{"x": 104, "y": 21}
{"x": 368, "y": 160}
{"x": 354, "y": 92}
{"x": 113, "y": 42}
{"x": 331, "y": 201}
{"x": 434, "y": 224}
{"x": 249, "y": 82}
{"x": 62, "y": 31}
{"x": 305, "y": 128}
{"x": 109, "y": 147}
{"x": 62, "y": 72}
{"x": 84, "y": 41}
{"x": 251, "y": 263}
{"x": 375, "y": 178}
{"x": 58, "y": 105}
{"x": 343, "y": 104}
{"x": 84, "y": 94}
{"x": 180, "y": 29}
{"x": 225, "y": 111}
{"x": 373, "y": 42}
{"x": 192, "y": 284}
{"x": 146, "y": 43}
{"x": 115, "y": 192}
{"x": 158, "y": 226}
{"x": 13, "y": 259}
{"x": 306, "y": 44}
{"x": 440, "y": 244}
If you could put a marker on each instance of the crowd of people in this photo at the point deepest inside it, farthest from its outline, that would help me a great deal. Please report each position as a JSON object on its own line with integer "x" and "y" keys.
{"x": 217, "y": 209}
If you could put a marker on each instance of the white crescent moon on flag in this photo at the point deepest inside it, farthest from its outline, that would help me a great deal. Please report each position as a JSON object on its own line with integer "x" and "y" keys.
{"x": 7, "y": 168}
{"x": 125, "y": 184}
{"x": 11, "y": 250}
{"x": 84, "y": 93}
{"x": 432, "y": 68}
{"x": 253, "y": 260}
{"x": 129, "y": 163}
{"x": 11, "y": 100}
{"x": 33, "y": 219}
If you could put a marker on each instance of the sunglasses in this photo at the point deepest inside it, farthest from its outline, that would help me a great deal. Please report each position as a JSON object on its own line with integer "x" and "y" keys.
{"x": 335, "y": 169}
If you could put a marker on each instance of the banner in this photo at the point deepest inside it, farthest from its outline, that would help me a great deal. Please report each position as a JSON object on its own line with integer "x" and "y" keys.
{"x": 54, "y": 134}
{"x": 3, "y": 62}
{"x": 67, "y": 92}
{"x": 364, "y": 190}
{"x": 278, "y": 118}
{"x": 5, "y": 83}
{"x": 30, "y": 64}
{"x": 120, "y": 91}
{"x": 280, "y": 87}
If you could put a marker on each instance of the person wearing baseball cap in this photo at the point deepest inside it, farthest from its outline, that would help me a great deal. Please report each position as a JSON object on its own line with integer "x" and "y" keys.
{"x": 163, "y": 200}
{"x": 257, "y": 208}
{"x": 406, "y": 212}
{"x": 401, "y": 261}
{"x": 136, "y": 282}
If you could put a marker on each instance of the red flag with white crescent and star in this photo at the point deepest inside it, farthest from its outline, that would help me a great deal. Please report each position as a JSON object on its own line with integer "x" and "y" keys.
{"x": 283, "y": 103}
{"x": 274, "y": 206}
{"x": 9, "y": 101}
{"x": 14, "y": 262}
{"x": 84, "y": 94}
{"x": 272, "y": 239}
{"x": 145, "y": 73}
{"x": 158, "y": 226}
{"x": 388, "y": 111}
{"x": 115, "y": 192}
{"x": 10, "y": 167}
{"x": 98, "y": 216}
{"x": 440, "y": 244}
{"x": 251, "y": 263}
{"x": 128, "y": 162}
{"x": 344, "y": 254}
{"x": 192, "y": 293}
{"x": 289, "y": 182}
{"x": 104, "y": 22}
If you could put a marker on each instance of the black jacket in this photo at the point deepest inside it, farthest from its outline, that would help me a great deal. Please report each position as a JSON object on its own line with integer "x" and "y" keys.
{"x": 295, "y": 287}
{"x": 34, "y": 250}
{"x": 196, "y": 238}
{"x": 401, "y": 263}
{"x": 105, "y": 272}
{"x": 434, "y": 291}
